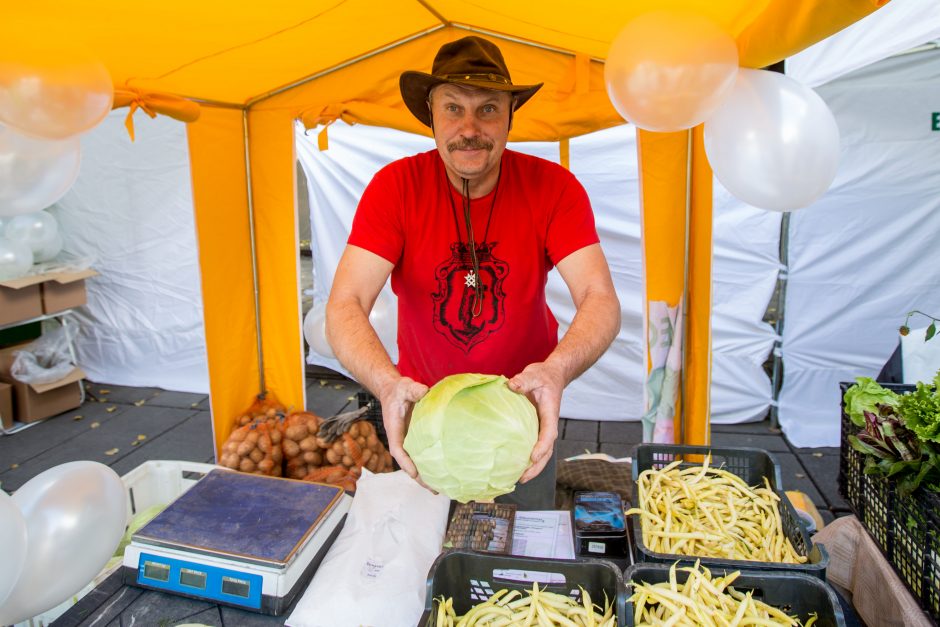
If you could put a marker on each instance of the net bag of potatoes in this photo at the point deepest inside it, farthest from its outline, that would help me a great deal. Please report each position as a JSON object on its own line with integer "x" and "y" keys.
{"x": 303, "y": 450}
{"x": 348, "y": 444}
{"x": 254, "y": 448}
{"x": 265, "y": 407}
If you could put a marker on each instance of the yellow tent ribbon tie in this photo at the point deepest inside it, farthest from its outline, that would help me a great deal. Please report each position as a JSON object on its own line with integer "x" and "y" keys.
{"x": 152, "y": 104}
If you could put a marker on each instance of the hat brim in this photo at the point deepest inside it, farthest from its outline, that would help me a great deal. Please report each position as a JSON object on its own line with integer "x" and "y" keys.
{"x": 415, "y": 87}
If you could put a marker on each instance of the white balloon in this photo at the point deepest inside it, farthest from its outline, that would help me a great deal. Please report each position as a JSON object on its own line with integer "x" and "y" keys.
{"x": 16, "y": 258}
{"x": 384, "y": 319}
{"x": 773, "y": 143}
{"x": 38, "y": 230}
{"x": 75, "y": 516}
{"x": 49, "y": 251}
{"x": 12, "y": 545}
{"x": 35, "y": 173}
{"x": 315, "y": 330}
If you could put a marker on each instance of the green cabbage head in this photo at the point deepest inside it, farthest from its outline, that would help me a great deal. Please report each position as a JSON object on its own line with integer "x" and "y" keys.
{"x": 471, "y": 437}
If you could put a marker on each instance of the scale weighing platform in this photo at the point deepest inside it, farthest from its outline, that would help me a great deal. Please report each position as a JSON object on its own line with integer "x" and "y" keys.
{"x": 248, "y": 541}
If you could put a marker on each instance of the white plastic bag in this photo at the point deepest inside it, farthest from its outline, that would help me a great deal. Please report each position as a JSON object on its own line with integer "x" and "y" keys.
{"x": 375, "y": 574}
{"x": 46, "y": 360}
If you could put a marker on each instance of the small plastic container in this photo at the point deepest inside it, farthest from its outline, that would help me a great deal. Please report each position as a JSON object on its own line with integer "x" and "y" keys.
{"x": 470, "y": 578}
{"x": 752, "y": 465}
{"x": 793, "y": 593}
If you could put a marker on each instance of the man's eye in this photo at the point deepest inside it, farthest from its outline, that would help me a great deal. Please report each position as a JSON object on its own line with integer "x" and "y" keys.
{"x": 489, "y": 108}
{"x": 452, "y": 108}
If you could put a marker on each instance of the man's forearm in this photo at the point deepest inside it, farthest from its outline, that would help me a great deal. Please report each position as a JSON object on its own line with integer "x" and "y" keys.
{"x": 594, "y": 327}
{"x": 357, "y": 346}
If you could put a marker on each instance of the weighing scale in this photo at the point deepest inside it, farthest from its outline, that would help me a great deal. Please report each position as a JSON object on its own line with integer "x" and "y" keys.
{"x": 248, "y": 541}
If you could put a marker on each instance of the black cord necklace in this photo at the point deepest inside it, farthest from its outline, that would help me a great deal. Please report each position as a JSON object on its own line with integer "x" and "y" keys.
{"x": 473, "y": 279}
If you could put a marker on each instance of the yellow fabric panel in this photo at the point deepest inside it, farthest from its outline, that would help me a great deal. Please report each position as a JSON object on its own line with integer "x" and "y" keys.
{"x": 573, "y": 101}
{"x": 787, "y": 26}
{"x": 271, "y": 138}
{"x": 590, "y": 26}
{"x": 662, "y": 160}
{"x": 217, "y": 163}
{"x": 697, "y": 376}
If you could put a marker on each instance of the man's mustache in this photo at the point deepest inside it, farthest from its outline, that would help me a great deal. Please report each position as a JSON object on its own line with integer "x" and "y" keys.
{"x": 470, "y": 144}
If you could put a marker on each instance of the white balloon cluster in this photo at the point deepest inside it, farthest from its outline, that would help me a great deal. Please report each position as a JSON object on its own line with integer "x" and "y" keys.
{"x": 771, "y": 141}
{"x": 27, "y": 239}
{"x": 56, "y": 533}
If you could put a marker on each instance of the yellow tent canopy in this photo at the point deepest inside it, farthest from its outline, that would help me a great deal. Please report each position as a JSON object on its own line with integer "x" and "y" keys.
{"x": 255, "y": 68}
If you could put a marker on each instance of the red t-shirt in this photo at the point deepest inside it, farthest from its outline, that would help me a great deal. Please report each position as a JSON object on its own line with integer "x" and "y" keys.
{"x": 536, "y": 215}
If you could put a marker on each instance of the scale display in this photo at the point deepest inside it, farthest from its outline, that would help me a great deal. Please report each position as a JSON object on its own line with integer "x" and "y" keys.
{"x": 245, "y": 540}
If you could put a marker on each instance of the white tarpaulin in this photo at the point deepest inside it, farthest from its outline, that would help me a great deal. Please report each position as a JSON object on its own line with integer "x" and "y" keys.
{"x": 604, "y": 162}
{"x": 131, "y": 210}
{"x": 866, "y": 253}
{"x": 897, "y": 26}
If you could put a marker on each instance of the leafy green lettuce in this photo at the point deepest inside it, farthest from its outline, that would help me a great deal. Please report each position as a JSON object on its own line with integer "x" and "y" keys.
{"x": 864, "y": 396}
{"x": 920, "y": 410}
{"x": 471, "y": 437}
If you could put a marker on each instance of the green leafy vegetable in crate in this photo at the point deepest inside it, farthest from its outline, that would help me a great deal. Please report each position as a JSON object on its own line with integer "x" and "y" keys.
{"x": 899, "y": 433}
{"x": 921, "y": 410}
{"x": 703, "y": 600}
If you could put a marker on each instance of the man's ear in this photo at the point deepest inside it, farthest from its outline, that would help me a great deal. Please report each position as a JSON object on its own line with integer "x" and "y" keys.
{"x": 430, "y": 115}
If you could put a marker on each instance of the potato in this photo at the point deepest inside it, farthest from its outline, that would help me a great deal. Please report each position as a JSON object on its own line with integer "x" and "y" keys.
{"x": 361, "y": 441}
{"x": 354, "y": 430}
{"x": 348, "y": 461}
{"x": 309, "y": 444}
{"x": 373, "y": 463}
{"x": 276, "y": 454}
{"x": 366, "y": 456}
{"x": 264, "y": 443}
{"x": 252, "y": 436}
{"x": 333, "y": 457}
{"x": 296, "y": 432}
{"x": 245, "y": 448}
{"x": 372, "y": 441}
{"x": 246, "y": 465}
{"x": 237, "y": 435}
{"x": 313, "y": 458}
{"x": 322, "y": 443}
{"x": 266, "y": 465}
{"x": 256, "y": 455}
{"x": 291, "y": 448}
{"x": 275, "y": 436}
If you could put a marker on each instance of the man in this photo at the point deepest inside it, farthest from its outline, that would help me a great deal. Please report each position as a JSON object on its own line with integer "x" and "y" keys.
{"x": 468, "y": 233}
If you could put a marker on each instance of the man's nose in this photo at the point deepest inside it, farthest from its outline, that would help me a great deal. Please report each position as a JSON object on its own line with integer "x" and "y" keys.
{"x": 468, "y": 125}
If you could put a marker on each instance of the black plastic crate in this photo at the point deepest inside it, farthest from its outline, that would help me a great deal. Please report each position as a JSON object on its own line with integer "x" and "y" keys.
{"x": 907, "y": 530}
{"x": 752, "y": 465}
{"x": 471, "y": 578}
{"x": 792, "y": 593}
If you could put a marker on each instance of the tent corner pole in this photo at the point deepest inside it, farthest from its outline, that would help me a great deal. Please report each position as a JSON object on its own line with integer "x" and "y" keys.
{"x": 254, "y": 251}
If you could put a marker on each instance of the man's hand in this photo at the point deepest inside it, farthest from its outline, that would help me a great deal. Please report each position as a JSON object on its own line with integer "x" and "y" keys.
{"x": 542, "y": 384}
{"x": 398, "y": 400}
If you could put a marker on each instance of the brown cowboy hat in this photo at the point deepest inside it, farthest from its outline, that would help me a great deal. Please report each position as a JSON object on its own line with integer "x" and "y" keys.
{"x": 471, "y": 61}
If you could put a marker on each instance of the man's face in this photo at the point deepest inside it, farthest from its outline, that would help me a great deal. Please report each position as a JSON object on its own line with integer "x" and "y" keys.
{"x": 470, "y": 128}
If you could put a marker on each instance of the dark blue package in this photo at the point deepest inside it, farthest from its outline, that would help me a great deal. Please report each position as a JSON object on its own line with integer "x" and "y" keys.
{"x": 599, "y": 524}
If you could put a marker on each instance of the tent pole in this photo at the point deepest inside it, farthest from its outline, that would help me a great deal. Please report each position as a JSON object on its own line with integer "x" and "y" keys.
{"x": 783, "y": 276}
{"x": 254, "y": 252}
{"x": 684, "y": 303}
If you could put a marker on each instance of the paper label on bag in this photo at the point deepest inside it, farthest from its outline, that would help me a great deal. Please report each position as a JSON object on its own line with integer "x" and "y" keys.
{"x": 596, "y": 547}
{"x": 372, "y": 569}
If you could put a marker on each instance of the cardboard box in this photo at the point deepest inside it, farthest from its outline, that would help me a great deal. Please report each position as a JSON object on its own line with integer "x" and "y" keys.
{"x": 31, "y": 296}
{"x": 19, "y": 302}
{"x": 6, "y": 405}
{"x": 37, "y": 401}
{"x": 65, "y": 290}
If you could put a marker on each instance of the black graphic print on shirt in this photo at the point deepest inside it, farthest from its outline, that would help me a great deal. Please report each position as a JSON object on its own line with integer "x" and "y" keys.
{"x": 454, "y": 298}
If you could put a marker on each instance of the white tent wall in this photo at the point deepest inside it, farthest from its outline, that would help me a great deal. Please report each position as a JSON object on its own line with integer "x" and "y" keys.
{"x": 866, "y": 253}
{"x": 897, "y": 26}
{"x": 131, "y": 211}
{"x": 745, "y": 264}
{"x": 604, "y": 162}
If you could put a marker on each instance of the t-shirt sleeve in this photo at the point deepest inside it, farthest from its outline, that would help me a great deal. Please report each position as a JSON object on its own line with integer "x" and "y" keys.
{"x": 571, "y": 223}
{"x": 377, "y": 225}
